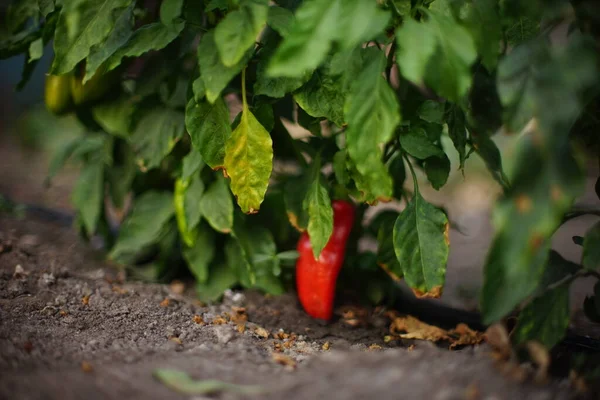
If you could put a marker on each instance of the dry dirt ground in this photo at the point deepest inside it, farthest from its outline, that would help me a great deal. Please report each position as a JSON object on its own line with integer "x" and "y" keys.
{"x": 72, "y": 328}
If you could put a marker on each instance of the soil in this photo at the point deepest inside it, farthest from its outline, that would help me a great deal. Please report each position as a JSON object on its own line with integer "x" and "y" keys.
{"x": 73, "y": 327}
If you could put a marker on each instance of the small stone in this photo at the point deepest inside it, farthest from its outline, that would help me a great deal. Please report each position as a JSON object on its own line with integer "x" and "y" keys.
{"x": 224, "y": 333}
{"x": 47, "y": 279}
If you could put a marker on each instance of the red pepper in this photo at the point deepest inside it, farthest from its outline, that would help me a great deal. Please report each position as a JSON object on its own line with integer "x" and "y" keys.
{"x": 316, "y": 279}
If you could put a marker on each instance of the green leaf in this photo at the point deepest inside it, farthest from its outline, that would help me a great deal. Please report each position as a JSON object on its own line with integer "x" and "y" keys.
{"x": 215, "y": 75}
{"x": 537, "y": 81}
{"x": 118, "y": 37}
{"x": 488, "y": 151}
{"x": 321, "y": 24}
{"x": 115, "y": 116}
{"x": 541, "y": 192}
{"x": 421, "y": 244}
{"x": 398, "y": 173}
{"x": 521, "y": 30}
{"x": 79, "y": 146}
{"x": 253, "y": 255}
{"x": 294, "y": 193}
{"x": 431, "y": 111}
{"x": 88, "y": 195}
{"x": 417, "y": 143}
{"x": 199, "y": 90}
{"x": 323, "y": 96}
{"x": 217, "y": 207}
{"x": 437, "y": 52}
{"x": 170, "y": 11}
{"x": 209, "y": 129}
{"x": 545, "y": 319}
{"x": 143, "y": 227}
{"x": 156, "y": 134}
{"x": 372, "y": 112}
{"x": 249, "y": 161}
{"x": 81, "y": 25}
{"x": 217, "y": 5}
{"x": 182, "y": 383}
{"x": 280, "y": 19}
{"x": 276, "y": 87}
{"x": 458, "y": 133}
{"x": 437, "y": 170}
{"x": 386, "y": 255}
{"x": 36, "y": 50}
{"x": 402, "y": 6}
{"x": 485, "y": 25}
{"x": 320, "y": 214}
{"x": 191, "y": 164}
{"x": 221, "y": 278}
{"x": 121, "y": 174}
{"x": 340, "y": 169}
{"x": 199, "y": 256}
{"x": 236, "y": 33}
{"x": 591, "y": 248}
{"x": 155, "y": 36}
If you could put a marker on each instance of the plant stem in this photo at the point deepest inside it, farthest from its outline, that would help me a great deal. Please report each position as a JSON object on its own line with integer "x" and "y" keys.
{"x": 244, "y": 102}
{"x": 390, "y": 61}
{"x": 412, "y": 172}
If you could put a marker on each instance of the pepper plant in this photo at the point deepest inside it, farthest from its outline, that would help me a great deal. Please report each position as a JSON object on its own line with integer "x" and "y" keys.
{"x": 377, "y": 83}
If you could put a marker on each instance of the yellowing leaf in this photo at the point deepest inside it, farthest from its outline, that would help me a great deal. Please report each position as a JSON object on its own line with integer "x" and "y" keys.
{"x": 249, "y": 160}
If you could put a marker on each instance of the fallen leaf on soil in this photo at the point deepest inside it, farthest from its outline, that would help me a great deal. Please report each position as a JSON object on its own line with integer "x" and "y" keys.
{"x": 281, "y": 335}
{"x": 20, "y": 272}
{"x": 86, "y": 367}
{"x": 177, "y": 287}
{"x": 238, "y": 315}
{"x": 165, "y": 302}
{"x": 578, "y": 382}
{"x": 241, "y": 328}
{"x": 289, "y": 343}
{"x": 326, "y": 346}
{"x": 198, "y": 319}
{"x": 466, "y": 336}
{"x": 415, "y": 329}
{"x": 262, "y": 332}
{"x": 283, "y": 360}
{"x": 181, "y": 382}
{"x": 175, "y": 339}
{"x": 219, "y": 321}
{"x": 63, "y": 313}
{"x": 497, "y": 337}
{"x": 85, "y": 300}
{"x": 408, "y": 327}
{"x": 277, "y": 347}
{"x": 118, "y": 289}
{"x": 375, "y": 346}
{"x": 541, "y": 357}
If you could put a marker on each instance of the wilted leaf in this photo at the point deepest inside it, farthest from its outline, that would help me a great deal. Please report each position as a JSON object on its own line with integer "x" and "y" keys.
{"x": 249, "y": 161}
{"x": 209, "y": 129}
{"x": 421, "y": 244}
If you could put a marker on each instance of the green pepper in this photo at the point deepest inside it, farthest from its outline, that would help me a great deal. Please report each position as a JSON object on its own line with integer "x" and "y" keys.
{"x": 188, "y": 237}
{"x": 57, "y": 94}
